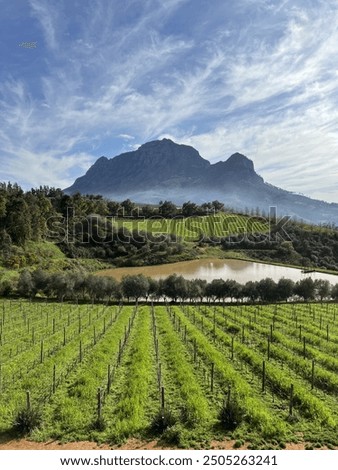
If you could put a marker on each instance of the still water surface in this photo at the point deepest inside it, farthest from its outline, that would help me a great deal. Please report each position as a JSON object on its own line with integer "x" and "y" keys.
{"x": 214, "y": 268}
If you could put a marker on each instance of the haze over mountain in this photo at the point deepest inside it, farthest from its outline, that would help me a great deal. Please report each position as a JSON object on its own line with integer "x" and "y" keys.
{"x": 162, "y": 169}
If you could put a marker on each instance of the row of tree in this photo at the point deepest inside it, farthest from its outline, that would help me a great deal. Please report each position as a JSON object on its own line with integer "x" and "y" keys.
{"x": 75, "y": 286}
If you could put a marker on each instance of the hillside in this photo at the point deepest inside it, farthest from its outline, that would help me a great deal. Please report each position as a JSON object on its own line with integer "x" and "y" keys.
{"x": 161, "y": 170}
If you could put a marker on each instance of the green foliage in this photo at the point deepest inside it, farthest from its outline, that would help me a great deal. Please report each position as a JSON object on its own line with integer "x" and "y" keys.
{"x": 231, "y": 415}
{"x": 162, "y": 420}
{"x": 27, "y": 420}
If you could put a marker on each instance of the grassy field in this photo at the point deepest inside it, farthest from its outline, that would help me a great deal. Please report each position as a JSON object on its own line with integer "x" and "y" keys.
{"x": 192, "y": 228}
{"x": 185, "y": 375}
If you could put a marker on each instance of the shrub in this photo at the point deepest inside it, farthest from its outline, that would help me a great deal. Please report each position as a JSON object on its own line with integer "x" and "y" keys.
{"x": 231, "y": 414}
{"x": 163, "y": 420}
{"x": 27, "y": 420}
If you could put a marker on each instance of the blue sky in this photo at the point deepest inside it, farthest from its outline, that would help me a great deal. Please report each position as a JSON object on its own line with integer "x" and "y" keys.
{"x": 104, "y": 76}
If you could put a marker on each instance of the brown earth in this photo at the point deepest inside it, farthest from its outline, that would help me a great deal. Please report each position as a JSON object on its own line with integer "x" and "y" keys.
{"x": 131, "y": 444}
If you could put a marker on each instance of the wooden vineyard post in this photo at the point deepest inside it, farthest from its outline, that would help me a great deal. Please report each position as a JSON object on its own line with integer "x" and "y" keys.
{"x": 263, "y": 377}
{"x": 41, "y": 352}
{"x": 0, "y": 377}
{"x": 327, "y": 332}
{"x": 109, "y": 379}
{"x": 202, "y": 324}
{"x": 195, "y": 351}
{"x": 212, "y": 377}
{"x": 320, "y": 321}
{"x": 104, "y": 326}
{"x": 64, "y": 336}
{"x": 120, "y": 352}
{"x": 300, "y": 332}
{"x": 243, "y": 333}
{"x": 185, "y": 333}
{"x": 53, "y": 326}
{"x": 99, "y": 404}
{"x": 162, "y": 399}
{"x": 232, "y": 348}
{"x": 156, "y": 348}
{"x": 33, "y": 335}
{"x": 291, "y": 400}
{"x": 54, "y": 378}
{"x": 313, "y": 374}
{"x": 80, "y": 352}
{"x": 271, "y": 329}
{"x": 304, "y": 347}
{"x": 159, "y": 374}
{"x": 28, "y": 400}
{"x": 94, "y": 335}
{"x": 268, "y": 348}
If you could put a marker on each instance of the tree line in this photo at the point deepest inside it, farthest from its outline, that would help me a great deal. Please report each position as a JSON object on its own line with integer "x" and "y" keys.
{"x": 77, "y": 286}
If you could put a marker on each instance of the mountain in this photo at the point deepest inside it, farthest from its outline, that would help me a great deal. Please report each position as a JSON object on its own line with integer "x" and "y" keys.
{"x": 162, "y": 170}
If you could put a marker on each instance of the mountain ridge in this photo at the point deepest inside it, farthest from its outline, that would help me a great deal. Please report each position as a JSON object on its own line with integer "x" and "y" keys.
{"x": 162, "y": 169}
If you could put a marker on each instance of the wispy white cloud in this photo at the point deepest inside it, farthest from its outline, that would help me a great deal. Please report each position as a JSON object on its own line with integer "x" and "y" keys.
{"x": 47, "y": 15}
{"x": 115, "y": 71}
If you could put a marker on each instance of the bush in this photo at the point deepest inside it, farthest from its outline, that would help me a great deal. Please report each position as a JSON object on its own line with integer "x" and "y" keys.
{"x": 27, "y": 420}
{"x": 163, "y": 420}
{"x": 231, "y": 415}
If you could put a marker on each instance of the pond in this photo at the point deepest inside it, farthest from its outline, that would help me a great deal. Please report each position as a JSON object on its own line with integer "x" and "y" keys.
{"x": 214, "y": 268}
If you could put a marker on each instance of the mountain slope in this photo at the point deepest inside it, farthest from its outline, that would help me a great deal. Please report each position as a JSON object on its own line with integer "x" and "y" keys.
{"x": 161, "y": 170}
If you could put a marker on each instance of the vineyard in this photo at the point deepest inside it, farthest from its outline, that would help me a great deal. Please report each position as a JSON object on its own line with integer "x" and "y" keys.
{"x": 192, "y": 228}
{"x": 182, "y": 374}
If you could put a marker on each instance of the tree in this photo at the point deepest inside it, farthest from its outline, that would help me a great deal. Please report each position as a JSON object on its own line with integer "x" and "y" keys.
{"x": 334, "y": 292}
{"x": 322, "y": 288}
{"x": 135, "y": 286}
{"x": 305, "y": 289}
{"x": 147, "y": 211}
{"x": 216, "y": 289}
{"x": 267, "y": 290}
{"x": 250, "y": 291}
{"x": 285, "y": 288}
{"x": 167, "y": 209}
{"x": 175, "y": 287}
{"x": 196, "y": 289}
{"x": 189, "y": 209}
{"x": 40, "y": 280}
{"x": 232, "y": 289}
{"x": 217, "y": 206}
{"x": 128, "y": 207}
{"x": 153, "y": 289}
{"x": 26, "y": 284}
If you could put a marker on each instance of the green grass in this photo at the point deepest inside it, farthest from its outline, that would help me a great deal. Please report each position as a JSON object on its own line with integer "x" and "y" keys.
{"x": 190, "y": 339}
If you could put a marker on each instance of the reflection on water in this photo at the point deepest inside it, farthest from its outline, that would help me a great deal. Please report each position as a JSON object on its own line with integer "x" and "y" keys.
{"x": 209, "y": 269}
